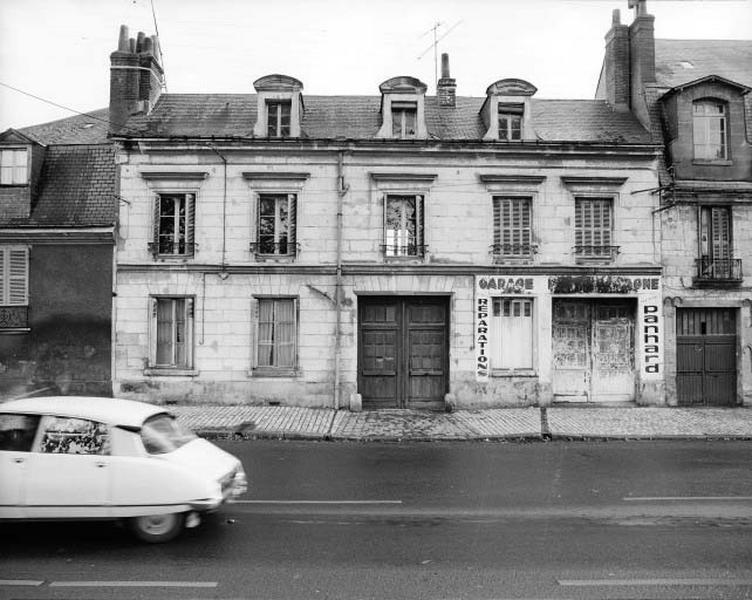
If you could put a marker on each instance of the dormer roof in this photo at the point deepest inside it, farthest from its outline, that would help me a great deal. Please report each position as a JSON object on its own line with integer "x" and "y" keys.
{"x": 277, "y": 83}
{"x": 403, "y": 84}
{"x": 742, "y": 89}
{"x": 511, "y": 87}
{"x": 13, "y": 136}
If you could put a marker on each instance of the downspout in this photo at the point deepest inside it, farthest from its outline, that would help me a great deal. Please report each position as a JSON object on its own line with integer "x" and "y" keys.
{"x": 342, "y": 189}
{"x": 222, "y": 269}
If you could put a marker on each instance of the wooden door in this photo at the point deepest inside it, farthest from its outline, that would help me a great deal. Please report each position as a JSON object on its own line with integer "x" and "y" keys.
{"x": 613, "y": 377}
{"x": 571, "y": 351}
{"x": 403, "y": 352}
{"x": 706, "y": 363}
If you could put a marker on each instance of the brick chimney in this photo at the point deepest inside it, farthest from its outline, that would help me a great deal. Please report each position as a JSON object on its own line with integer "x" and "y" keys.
{"x": 446, "y": 89}
{"x": 616, "y": 64}
{"x": 642, "y": 44}
{"x": 136, "y": 77}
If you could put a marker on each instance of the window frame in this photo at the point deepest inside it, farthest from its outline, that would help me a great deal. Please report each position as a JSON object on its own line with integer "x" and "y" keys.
{"x": 275, "y": 370}
{"x": 400, "y": 110}
{"x": 497, "y": 208}
{"x": 6, "y": 266}
{"x": 608, "y": 250}
{"x": 175, "y": 366}
{"x": 419, "y": 216}
{"x": 702, "y": 125}
{"x": 510, "y": 118}
{"x": 292, "y": 225}
{"x": 497, "y": 337}
{"x": 189, "y": 244}
{"x": 19, "y": 173}
{"x": 275, "y": 117}
{"x": 47, "y": 419}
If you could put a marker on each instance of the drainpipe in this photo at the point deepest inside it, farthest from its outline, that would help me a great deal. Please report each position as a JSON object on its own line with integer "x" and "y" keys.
{"x": 342, "y": 190}
{"x": 222, "y": 269}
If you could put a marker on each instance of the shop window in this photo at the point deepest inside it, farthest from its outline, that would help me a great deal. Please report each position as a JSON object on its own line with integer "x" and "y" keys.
{"x": 64, "y": 435}
{"x": 512, "y": 331}
{"x": 172, "y": 333}
{"x": 276, "y": 325}
{"x": 709, "y": 130}
{"x": 174, "y": 225}
{"x": 403, "y": 225}
{"x": 512, "y": 227}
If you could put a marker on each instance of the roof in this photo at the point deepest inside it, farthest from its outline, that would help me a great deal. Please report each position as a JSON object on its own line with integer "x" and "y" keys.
{"x": 681, "y": 61}
{"x": 359, "y": 118}
{"x": 89, "y": 128}
{"x": 77, "y": 188}
{"x": 105, "y": 410}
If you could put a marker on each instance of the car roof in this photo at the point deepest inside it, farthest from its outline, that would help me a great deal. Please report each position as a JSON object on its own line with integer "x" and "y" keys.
{"x": 114, "y": 411}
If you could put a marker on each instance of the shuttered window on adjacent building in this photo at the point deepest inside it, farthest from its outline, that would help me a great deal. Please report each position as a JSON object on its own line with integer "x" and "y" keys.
{"x": 593, "y": 222}
{"x": 14, "y": 276}
{"x": 512, "y": 227}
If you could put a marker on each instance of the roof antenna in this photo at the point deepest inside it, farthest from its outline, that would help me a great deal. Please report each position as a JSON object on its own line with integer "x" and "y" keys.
{"x": 435, "y": 45}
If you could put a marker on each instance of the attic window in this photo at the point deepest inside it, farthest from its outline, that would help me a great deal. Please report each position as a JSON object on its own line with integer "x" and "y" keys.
{"x": 14, "y": 168}
{"x": 510, "y": 121}
{"x": 404, "y": 119}
{"x": 278, "y": 118}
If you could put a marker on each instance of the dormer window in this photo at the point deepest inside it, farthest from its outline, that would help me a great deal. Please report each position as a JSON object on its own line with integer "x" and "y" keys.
{"x": 278, "y": 118}
{"x": 510, "y": 121}
{"x": 709, "y": 130}
{"x": 14, "y": 166}
{"x": 404, "y": 115}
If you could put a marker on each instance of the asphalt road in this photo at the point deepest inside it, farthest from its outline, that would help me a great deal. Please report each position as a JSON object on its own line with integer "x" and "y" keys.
{"x": 429, "y": 520}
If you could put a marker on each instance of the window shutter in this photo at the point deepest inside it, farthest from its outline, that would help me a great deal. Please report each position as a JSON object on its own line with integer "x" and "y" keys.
{"x": 258, "y": 223}
{"x": 254, "y": 332}
{"x": 190, "y": 218}
{"x": 721, "y": 231}
{"x": 497, "y": 222}
{"x": 155, "y": 233}
{"x": 18, "y": 276}
{"x": 292, "y": 206}
{"x": 419, "y": 225}
{"x": 3, "y": 277}
{"x": 189, "y": 322}
{"x": 152, "y": 308}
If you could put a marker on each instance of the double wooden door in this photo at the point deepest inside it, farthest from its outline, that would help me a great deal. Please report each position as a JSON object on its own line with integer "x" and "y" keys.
{"x": 403, "y": 356}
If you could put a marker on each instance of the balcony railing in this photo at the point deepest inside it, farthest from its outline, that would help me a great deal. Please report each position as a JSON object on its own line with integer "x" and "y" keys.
{"x": 165, "y": 249}
{"x": 14, "y": 317}
{"x": 596, "y": 253}
{"x": 404, "y": 250}
{"x": 512, "y": 251}
{"x": 719, "y": 270}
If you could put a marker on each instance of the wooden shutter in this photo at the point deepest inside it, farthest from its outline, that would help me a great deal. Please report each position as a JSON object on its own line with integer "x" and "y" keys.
{"x": 592, "y": 223}
{"x": 190, "y": 217}
{"x": 720, "y": 220}
{"x": 497, "y": 223}
{"x": 14, "y": 276}
{"x": 292, "y": 213}
{"x": 156, "y": 213}
{"x": 419, "y": 233}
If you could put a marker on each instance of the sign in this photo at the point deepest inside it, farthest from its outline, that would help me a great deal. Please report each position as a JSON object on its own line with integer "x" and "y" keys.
{"x": 602, "y": 284}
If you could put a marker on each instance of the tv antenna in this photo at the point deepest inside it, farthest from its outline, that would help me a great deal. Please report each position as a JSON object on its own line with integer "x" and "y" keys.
{"x": 435, "y": 44}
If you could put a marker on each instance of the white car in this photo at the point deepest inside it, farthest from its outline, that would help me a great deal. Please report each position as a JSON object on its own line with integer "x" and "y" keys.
{"x": 102, "y": 458}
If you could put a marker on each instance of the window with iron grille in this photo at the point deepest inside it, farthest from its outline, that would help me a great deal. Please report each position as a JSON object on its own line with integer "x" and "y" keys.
{"x": 172, "y": 332}
{"x": 510, "y": 121}
{"x": 278, "y": 118}
{"x": 512, "y": 333}
{"x": 174, "y": 225}
{"x": 276, "y": 219}
{"x": 14, "y": 276}
{"x": 277, "y": 333}
{"x": 403, "y": 225}
{"x": 593, "y": 225}
{"x": 14, "y": 169}
{"x": 512, "y": 227}
{"x": 709, "y": 130}
{"x": 716, "y": 261}
{"x": 404, "y": 119}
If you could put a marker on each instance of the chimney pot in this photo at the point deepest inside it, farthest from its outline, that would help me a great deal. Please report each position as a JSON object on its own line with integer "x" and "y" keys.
{"x": 148, "y": 48}
{"x": 444, "y": 65}
{"x": 140, "y": 41}
{"x": 123, "y": 39}
{"x": 446, "y": 89}
{"x": 616, "y": 17}
{"x": 132, "y": 45}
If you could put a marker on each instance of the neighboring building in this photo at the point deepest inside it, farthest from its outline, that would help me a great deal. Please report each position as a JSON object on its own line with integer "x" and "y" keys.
{"x": 58, "y": 209}
{"x": 694, "y": 96}
{"x": 395, "y": 250}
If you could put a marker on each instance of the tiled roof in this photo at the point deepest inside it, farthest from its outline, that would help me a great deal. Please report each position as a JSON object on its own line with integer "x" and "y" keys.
{"x": 90, "y": 128}
{"x": 359, "y": 118}
{"x": 682, "y": 61}
{"x": 77, "y": 188}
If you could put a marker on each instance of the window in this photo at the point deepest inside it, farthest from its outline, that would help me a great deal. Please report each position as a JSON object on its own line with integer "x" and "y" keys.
{"x": 512, "y": 330}
{"x": 277, "y": 333}
{"x": 276, "y": 224}
{"x": 593, "y": 227}
{"x": 510, "y": 121}
{"x": 709, "y": 130}
{"x": 512, "y": 227}
{"x": 17, "y": 432}
{"x": 66, "y": 435}
{"x": 14, "y": 169}
{"x": 403, "y": 225}
{"x": 716, "y": 245}
{"x": 172, "y": 341}
{"x": 404, "y": 119}
{"x": 174, "y": 225}
{"x": 14, "y": 276}
{"x": 278, "y": 118}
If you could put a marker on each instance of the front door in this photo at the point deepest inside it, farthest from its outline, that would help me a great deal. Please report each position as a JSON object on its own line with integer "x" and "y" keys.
{"x": 593, "y": 350}
{"x": 706, "y": 356}
{"x": 402, "y": 352}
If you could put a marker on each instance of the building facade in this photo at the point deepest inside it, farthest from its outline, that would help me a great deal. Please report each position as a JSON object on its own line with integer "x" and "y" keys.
{"x": 385, "y": 251}
{"x": 694, "y": 97}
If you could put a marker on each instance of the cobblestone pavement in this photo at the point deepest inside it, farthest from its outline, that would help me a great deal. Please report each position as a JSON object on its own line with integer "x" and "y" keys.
{"x": 502, "y": 423}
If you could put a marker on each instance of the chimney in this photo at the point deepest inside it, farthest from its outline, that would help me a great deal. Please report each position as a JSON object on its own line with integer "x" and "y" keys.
{"x": 642, "y": 44}
{"x": 136, "y": 77}
{"x": 446, "y": 89}
{"x": 616, "y": 64}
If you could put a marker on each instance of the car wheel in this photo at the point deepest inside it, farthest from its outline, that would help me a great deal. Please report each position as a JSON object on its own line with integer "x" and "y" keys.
{"x": 156, "y": 529}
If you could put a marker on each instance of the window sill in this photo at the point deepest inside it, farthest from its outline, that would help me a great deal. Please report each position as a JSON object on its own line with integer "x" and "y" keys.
{"x": 170, "y": 372}
{"x": 514, "y": 373}
{"x": 284, "y": 258}
{"x": 712, "y": 163}
{"x": 273, "y": 373}
{"x": 16, "y": 185}
{"x": 173, "y": 257}
{"x": 15, "y": 330}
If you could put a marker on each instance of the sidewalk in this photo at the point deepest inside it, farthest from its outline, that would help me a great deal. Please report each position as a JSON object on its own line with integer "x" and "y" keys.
{"x": 277, "y": 422}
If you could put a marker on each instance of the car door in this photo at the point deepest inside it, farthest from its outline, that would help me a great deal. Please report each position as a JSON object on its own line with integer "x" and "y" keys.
{"x": 17, "y": 433}
{"x": 68, "y": 472}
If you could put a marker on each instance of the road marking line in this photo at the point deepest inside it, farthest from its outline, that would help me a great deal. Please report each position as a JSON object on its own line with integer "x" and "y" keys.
{"x": 317, "y": 502}
{"x": 28, "y": 582}
{"x": 633, "y": 582}
{"x": 181, "y": 584}
{"x": 675, "y": 498}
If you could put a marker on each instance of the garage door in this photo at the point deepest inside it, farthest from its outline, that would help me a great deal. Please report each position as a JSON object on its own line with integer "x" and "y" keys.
{"x": 706, "y": 356}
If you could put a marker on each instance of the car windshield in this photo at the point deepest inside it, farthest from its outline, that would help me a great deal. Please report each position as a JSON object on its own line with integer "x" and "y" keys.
{"x": 162, "y": 434}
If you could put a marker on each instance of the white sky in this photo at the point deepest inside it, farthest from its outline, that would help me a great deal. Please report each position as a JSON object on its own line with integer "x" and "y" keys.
{"x": 59, "y": 49}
